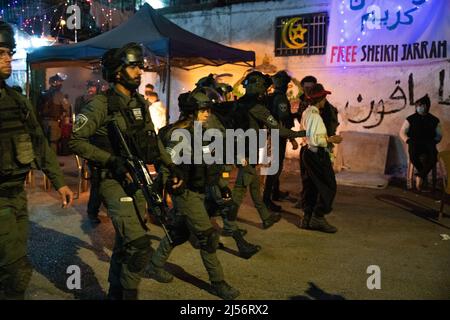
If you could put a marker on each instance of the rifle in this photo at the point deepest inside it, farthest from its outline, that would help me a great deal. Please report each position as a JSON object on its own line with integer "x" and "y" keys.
{"x": 143, "y": 180}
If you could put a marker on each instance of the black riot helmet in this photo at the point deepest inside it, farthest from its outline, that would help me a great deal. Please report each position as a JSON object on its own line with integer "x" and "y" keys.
{"x": 193, "y": 101}
{"x": 7, "y": 36}
{"x": 256, "y": 83}
{"x": 115, "y": 61}
{"x": 281, "y": 80}
{"x": 217, "y": 91}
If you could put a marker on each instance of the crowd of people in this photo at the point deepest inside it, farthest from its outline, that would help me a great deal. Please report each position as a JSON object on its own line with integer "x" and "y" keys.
{"x": 198, "y": 191}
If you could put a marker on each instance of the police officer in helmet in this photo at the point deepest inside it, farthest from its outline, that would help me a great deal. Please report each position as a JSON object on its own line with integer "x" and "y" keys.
{"x": 93, "y": 140}
{"x": 22, "y": 143}
{"x": 191, "y": 216}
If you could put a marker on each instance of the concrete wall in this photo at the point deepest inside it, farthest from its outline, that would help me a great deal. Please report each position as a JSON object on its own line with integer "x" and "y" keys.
{"x": 251, "y": 26}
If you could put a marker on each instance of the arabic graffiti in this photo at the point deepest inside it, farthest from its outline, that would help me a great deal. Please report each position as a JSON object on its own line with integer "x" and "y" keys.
{"x": 397, "y": 94}
{"x": 373, "y": 19}
{"x": 379, "y": 111}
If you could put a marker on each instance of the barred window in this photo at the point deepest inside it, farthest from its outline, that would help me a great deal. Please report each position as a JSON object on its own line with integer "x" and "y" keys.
{"x": 299, "y": 35}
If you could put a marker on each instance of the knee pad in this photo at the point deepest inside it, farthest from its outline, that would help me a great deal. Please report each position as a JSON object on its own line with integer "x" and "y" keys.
{"x": 141, "y": 248}
{"x": 209, "y": 240}
{"x": 178, "y": 231}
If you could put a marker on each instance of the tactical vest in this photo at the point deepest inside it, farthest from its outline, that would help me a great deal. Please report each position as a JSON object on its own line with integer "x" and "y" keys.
{"x": 142, "y": 141}
{"x": 16, "y": 135}
{"x": 422, "y": 128}
{"x": 280, "y": 108}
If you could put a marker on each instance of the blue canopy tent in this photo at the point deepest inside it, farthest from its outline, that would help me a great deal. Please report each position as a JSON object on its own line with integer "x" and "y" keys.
{"x": 175, "y": 46}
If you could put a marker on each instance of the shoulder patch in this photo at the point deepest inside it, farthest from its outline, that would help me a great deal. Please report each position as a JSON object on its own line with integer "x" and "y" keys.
{"x": 271, "y": 120}
{"x": 80, "y": 121}
{"x": 283, "y": 107}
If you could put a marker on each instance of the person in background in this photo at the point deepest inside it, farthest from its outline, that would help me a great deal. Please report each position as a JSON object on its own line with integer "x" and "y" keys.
{"x": 422, "y": 131}
{"x": 157, "y": 110}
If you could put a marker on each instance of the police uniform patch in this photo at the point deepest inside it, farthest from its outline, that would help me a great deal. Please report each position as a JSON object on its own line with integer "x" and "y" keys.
{"x": 80, "y": 121}
{"x": 272, "y": 121}
{"x": 283, "y": 107}
{"x": 137, "y": 112}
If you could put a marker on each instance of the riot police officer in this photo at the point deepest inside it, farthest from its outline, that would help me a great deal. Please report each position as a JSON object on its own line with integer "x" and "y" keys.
{"x": 280, "y": 108}
{"x": 92, "y": 139}
{"x": 54, "y": 107}
{"x": 22, "y": 143}
{"x": 251, "y": 112}
{"x": 215, "y": 204}
{"x": 190, "y": 214}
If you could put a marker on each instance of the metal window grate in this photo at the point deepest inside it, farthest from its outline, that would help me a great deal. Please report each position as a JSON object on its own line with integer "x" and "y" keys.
{"x": 300, "y": 35}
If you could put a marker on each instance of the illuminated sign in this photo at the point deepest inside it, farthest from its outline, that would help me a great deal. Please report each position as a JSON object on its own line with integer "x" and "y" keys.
{"x": 304, "y": 34}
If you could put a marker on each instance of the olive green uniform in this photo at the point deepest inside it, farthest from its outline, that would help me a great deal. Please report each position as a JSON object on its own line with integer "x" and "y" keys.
{"x": 90, "y": 140}
{"x": 257, "y": 115}
{"x": 190, "y": 207}
{"x": 22, "y": 143}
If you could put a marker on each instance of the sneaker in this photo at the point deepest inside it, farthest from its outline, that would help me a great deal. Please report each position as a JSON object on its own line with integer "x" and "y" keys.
{"x": 321, "y": 224}
{"x": 274, "y": 218}
{"x": 159, "y": 274}
{"x": 224, "y": 290}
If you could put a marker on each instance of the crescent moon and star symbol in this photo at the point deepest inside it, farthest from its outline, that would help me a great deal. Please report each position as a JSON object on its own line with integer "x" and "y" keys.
{"x": 293, "y": 34}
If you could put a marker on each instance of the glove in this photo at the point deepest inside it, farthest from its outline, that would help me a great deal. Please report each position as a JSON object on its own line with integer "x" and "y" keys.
{"x": 118, "y": 166}
{"x": 300, "y": 134}
{"x": 175, "y": 172}
{"x": 226, "y": 193}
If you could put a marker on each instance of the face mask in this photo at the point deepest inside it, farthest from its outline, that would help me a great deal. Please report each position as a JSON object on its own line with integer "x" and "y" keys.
{"x": 420, "y": 110}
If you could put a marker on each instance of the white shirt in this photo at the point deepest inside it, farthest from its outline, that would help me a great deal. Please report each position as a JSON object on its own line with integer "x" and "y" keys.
{"x": 158, "y": 114}
{"x": 312, "y": 123}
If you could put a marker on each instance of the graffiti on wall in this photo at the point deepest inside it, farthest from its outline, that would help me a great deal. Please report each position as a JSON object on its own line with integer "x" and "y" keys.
{"x": 398, "y": 98}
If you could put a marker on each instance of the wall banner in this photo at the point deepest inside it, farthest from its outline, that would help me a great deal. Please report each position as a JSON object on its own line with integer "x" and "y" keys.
{"x": 388, "y": 32}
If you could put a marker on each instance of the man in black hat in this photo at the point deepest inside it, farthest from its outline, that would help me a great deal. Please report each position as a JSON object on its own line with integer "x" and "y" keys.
{"x": 318, "y": 179}
{"x": 422, "y": 131}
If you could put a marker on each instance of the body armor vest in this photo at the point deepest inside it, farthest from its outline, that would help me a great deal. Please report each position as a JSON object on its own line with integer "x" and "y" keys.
{"x": 140, "y": 139}
{"x": 16, "y": 145}
{"x": 422, "y": 128}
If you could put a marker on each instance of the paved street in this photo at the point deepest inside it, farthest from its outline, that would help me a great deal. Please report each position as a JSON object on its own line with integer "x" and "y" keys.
{"x": 391, "y": 228}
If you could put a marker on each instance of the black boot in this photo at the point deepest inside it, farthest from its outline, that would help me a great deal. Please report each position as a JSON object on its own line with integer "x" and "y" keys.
{"x": 246, "y": 249}
{"x": 271, "y": 220}
{"x": 306, "y": 220}
{"x": 130, "y": 294}
{"x": 280, "y": 195}
{"x": 229, "y": 233}
{"x": 115, "y": 293}
{"x": 319, "y": 223}
{"x": 272, "y": 206}
{"x": 224, "y": 290}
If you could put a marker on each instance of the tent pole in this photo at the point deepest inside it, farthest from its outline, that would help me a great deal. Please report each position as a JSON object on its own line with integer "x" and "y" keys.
{"x": 169, "y": 76}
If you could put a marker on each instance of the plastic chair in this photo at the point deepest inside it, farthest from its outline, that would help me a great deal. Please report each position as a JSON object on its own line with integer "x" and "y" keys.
{"x": 444, "y": 160}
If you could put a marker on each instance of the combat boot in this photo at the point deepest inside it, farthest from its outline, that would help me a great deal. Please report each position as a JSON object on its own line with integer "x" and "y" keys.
{"x": 115, "y": 293}
{"x": 130, "y": 294}
{"x": 272, "y": 206}
{"x": 246, "y": 249}
{"x": 271, "y": 220}
{"x": 306, "y": 220}
{"x": 229, "y": 232}
{"x": 280, "y": 195}
{"x": 157, "y": 273}
{"x": 224, "y": 290}
{"x": 319, "y": 223}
